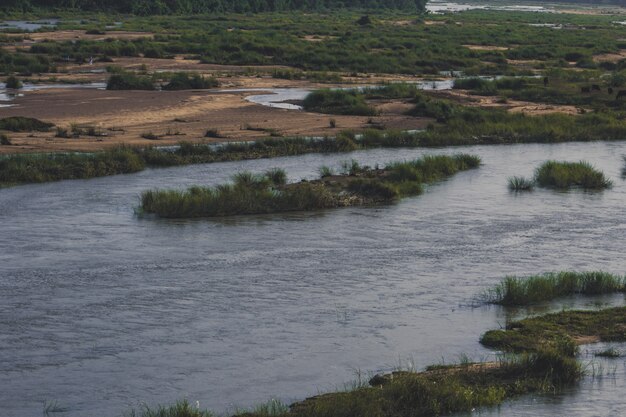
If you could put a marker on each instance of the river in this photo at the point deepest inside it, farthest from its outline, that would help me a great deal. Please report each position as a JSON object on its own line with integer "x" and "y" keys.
{"x": 101, "y": 310}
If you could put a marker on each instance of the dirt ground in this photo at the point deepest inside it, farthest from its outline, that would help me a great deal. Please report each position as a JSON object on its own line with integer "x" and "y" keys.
{"x": 123, "y": 116}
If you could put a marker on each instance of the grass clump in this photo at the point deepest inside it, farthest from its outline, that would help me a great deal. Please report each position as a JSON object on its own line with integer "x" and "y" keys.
{"x": 13, "y": 82}
{"x": 269, "y": 193}
{"x": 516, "y": 291}
{"x": 185, "y": 81}
{"x": 180, "y": 409}
{"x": 521, "y": 184}
{"x": 129, "y": 81}
{"x": 560, "y": 332}
{"x": 564, "y": 175}
{"x": 24, "y": 124}
{"x": 344, "y": 102}
{"x": 4, "y": 140}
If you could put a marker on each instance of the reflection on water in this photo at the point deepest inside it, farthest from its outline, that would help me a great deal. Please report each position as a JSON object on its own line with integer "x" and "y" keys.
{"x": 101, "y": 310}
{"x": 28, "y": 26}
{"x": 7, "y": 95}
{"x": 439, "y": 7}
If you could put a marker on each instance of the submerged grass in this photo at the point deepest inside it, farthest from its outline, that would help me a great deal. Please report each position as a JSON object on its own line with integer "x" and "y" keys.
{"x": 561, "y": 332}
{"x": 516, "y": 291}
{"x": 564, "y": 175}
{"x": 268, "y": 193}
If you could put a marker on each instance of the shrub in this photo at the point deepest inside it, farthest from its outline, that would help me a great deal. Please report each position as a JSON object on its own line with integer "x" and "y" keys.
{"x": 184, "y": 81}
{"x": 13, "y": 82}
{"x": 4, "y": 140}
{"x": 129, "y": 81}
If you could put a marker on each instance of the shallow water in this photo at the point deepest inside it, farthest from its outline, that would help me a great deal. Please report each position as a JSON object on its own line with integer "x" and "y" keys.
{"x": 101, "y": 310}
{"x": 439, "y": 7}
{"x": 26, "y": 25}
{"x": 8, "y": 95}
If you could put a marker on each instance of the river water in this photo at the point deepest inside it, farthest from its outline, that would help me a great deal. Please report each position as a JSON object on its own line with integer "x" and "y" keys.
{"x": 101, "y": 310}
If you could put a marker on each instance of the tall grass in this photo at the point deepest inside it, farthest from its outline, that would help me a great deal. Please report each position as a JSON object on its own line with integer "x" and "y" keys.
{"x": 25, "y": 168}
{"x": 563, "y": 175}
{"x": 519, "y": 291}
{"x": 521, "y": 184}
{"x": 180, "y": 409}
{"x": 268, "y": 193}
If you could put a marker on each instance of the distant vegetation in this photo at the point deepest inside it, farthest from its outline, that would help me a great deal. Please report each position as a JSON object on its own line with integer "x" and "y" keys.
{"x": 185, "y": 81}
{"x": 130, "y": 81}
{"x": 125, "y": 80}
{"x": 268, "y": 193}
{"x": 143, "y": 7}
{"x": 537, "y": 288}
{"x": 338, "y": 102}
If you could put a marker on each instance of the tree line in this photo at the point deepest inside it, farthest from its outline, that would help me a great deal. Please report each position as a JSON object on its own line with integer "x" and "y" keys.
{"x": 161, "y": 7}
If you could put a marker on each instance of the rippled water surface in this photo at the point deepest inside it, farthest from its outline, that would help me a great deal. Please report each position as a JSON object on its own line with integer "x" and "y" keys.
{"x": 101, "y": 310}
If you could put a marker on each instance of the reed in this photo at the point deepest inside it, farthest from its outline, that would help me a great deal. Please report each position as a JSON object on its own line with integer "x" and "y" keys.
{"x": 520, "y": 291}
{"x": 521, "y": 184}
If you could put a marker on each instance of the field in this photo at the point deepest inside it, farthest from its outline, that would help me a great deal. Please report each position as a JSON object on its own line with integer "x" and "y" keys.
{"x": 580, "y": 71}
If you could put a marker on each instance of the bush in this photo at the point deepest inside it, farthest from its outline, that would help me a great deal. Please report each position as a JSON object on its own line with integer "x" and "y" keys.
{"x": 129, "y": 81}
{"x": 13, "y": 82}
{"x": 4, "y": 140}
{"x": 347, "y": 102}
{"x": 183, "y": 81}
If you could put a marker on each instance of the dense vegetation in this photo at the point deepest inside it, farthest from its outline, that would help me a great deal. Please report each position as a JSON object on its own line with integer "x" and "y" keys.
{"x": 268, "y": 193}
{"x": 161, "y": 7}
{"x": 545, "y": 287}
{"x": 343, "y": 44}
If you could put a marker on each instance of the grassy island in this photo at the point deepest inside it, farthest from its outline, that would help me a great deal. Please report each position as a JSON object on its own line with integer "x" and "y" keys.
{"x": 268, "y": 193}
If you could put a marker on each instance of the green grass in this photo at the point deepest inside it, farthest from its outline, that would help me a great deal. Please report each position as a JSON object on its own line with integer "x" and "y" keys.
{"x": 24, "y": 124}
{"x": 564, "y": 175}
{"x": 269, "y": 193}
{"x": 559, "y": 331}
{"x": 519, "y": 291}
{"x": 521, "y": 184}
{"x": 180, "y": 409}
